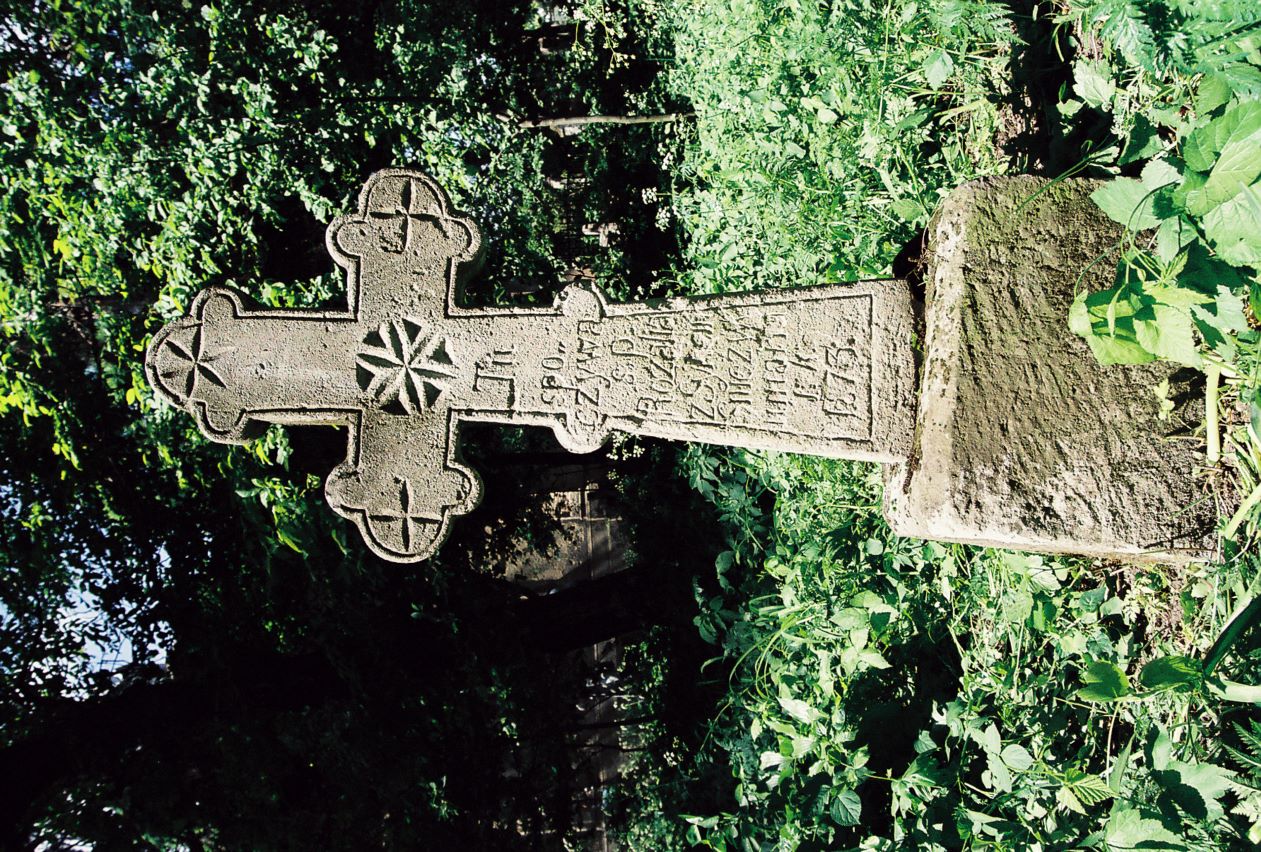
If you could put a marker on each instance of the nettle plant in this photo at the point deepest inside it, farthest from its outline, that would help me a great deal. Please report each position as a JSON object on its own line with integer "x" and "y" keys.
{"x": 1180, "y": 85}
{"x": 1192, "y": 249}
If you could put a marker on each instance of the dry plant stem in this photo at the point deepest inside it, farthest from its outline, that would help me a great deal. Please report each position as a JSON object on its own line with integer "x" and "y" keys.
{"x": 1214, "y": 374}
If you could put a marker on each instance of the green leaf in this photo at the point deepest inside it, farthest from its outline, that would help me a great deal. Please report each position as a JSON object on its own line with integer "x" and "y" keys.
{"x": 1239, "y": 123}
{"x": 1103, "y": 681}
{"x": 1218, "y": 321}
{"x": 938, "y": 68}
{"x": 1246, "y": 618}
{"x": 1230, "y": 690}
{"x": 1173, "y": 235}
{"x": 873, "y": 659}
{"x": 846, "y": 808}
{"x": 1117, "y": 775}
{"x": 1212, "y": 92}
{"x": 1017, "y": 757}
{"x": 1167, "y": 332}
{"x": 999, "y": 775}
{"x": 990, "y": 740}
{"x": 1234, "y": 228}
{"x": 1142, "y": 142}
{"x": 1128, "y": 202}
{"x": 799, "y": 710}
{"x": 1237, "y": 167}
{"x": 1158, "y": 750}
{"x": 1170, "y": 673}
{"x": 1130, "y": 828}
{"x": 1190, "y": 197}
{"x": 1092, "y": 85}
{"x": 1197, "y": 788}
{"x": 1089, "y": 789}
{"x": 1197, "y": 151}
{"x": 1107, "y": 324}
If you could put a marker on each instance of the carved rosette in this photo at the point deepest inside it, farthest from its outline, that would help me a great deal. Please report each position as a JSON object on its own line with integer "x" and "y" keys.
{"x": 403, "y": 367}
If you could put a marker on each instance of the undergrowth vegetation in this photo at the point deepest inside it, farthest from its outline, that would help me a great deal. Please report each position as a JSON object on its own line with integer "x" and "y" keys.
{"x": 889, "y": 694}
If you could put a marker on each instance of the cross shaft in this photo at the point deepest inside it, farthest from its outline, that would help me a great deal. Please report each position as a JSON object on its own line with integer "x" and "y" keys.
{"x": 823, "y": 370}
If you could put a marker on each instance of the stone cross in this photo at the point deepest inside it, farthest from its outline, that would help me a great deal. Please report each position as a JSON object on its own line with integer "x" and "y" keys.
{"x": 825, "y": 370}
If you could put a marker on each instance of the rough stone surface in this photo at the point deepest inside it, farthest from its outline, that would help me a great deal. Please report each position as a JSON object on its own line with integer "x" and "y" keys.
{"x": 1022, "y": 440}
{"x": 824, "y": 370}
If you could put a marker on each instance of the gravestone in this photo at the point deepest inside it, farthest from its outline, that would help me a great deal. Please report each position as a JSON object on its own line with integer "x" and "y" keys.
{"x": 827, "y": 371}
{"x": 1022, "y": 438}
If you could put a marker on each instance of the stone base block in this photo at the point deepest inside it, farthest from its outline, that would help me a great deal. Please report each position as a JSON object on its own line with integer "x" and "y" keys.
{"x": 1022, "y": 439}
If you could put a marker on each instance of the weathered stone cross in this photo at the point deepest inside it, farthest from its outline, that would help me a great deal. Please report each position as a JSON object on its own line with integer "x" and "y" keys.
{"x": 825, "y": 371}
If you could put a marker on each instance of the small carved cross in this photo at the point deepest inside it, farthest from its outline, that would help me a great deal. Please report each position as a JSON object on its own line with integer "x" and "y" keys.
{"x": 821, "y": 370}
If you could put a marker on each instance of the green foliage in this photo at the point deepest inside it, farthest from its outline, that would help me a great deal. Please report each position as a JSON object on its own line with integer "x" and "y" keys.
{"x": 889, "y": 694}
{"x": 825, "y": 134}
{"x": 193, "y": 651}
{"x": 883, "y": 693}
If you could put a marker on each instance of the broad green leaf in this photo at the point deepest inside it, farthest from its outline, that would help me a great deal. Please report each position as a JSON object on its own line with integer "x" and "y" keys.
{"x": 873, "y": 659}
{"x": 1000, "y": 778}
{"x": 938, "y": 68}
{"x": 1167, "y": 332}
{"x": 801, "y": 745}
{"x": 1197, "y": 788}
{"x": 1065, "y": 797}
{"x": 1238, "y": 166}
{"x": 1088, "y": 788}
{"x": 1189, "y": 196}
{"x": 1209, "y": 276}
{"x": 1170, "y": 673}
{"x": 1142, "y": 142}
{"x": 1173, "y": 235}
{"x": 1219, "y": 321}
{"x": 1197, "y": 151}
{"x": 1017, "y": 757}
{"x": 1230, "y": 690}
{"x": 1103, "y": 681}
{"x": 991, "y": 740}
{"x": 1238, "y": 123}
{"x": 1107, "y": 324}
{"x": 1234, "y": 228}
{"x": 1212, "y": 92}
{"x": 1159, "y": 173}
{"x": 1130, "y": 828}
{"x": 1093, "y": 85}
{"x": 1158, "y": 749}
{"x": 1128, "y": 202}
{"x": 924, "y": 772}
{"x": 846, "y": 808}
{"x": 799, "y": 710}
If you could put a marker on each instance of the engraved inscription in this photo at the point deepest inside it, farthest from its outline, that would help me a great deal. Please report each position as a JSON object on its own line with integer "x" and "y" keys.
{"x": 810, "y": 370}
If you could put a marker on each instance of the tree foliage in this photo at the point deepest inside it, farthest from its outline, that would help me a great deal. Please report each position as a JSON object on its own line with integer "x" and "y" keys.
{"x": 192, "y": 651}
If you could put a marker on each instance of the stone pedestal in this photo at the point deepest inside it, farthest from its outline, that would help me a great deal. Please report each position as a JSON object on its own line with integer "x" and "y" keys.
{"x": 1022, "y": 439}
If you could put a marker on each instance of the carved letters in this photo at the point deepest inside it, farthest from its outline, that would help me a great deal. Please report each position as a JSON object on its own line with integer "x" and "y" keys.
{"x": 823, "y": 370}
